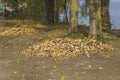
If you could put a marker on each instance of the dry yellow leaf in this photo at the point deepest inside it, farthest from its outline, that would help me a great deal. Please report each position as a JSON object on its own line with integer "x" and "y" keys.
{"x": 54, "y": 67}
{"x": 15, "y": 72}
{"x": 80, "y": 79}
{"x": 23, "y": 79}
{"x": 83, "y": 72}
{"x": 63, "y": 77}
{"x": 106, "y": 56}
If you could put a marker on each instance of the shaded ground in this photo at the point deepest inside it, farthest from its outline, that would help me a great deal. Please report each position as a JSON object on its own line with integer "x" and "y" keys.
{"x": 14, "y": 66}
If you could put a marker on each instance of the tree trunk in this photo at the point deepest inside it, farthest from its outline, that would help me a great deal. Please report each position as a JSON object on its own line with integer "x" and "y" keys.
{"x": 50, "y": 11}
{"x": 44, "y": 15}
{"x": 106, "y": 24}
{"x": 65, "y": 14}
{"x": 57, "y": 4}
{"x": 73, "y": 16}
{"x": 95, "y": 19}
{"x": 4, "y": 12}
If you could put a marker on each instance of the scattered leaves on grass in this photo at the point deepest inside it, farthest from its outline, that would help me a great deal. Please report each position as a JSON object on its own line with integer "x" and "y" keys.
{"x": 57, "y": 33}
{"x": 30, "y": 23}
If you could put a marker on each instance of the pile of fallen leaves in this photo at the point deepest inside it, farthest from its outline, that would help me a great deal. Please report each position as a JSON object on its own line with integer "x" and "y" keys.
{"x": 18, "y": 31}
{"x": 29, "y": 23}
{"x": 66, "y": 47}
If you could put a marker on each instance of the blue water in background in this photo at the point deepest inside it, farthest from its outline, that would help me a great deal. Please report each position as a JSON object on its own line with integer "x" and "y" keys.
{"x": 114, "y": 15}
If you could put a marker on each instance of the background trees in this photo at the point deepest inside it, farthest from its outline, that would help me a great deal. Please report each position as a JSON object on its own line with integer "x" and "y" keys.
{"x": 48, "y": 11}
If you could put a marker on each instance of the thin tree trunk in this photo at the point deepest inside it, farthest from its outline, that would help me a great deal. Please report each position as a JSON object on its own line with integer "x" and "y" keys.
{"x": 57, "y": 11}
{"x": 65, "y": 9}
{"x": 50, "y": 11}
{"x": 44, "y": 17}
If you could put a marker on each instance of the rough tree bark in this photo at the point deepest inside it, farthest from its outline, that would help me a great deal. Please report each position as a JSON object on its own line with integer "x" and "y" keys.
{"x": 106, "y": 24}
{"x": 95, "y": 19}
{"x": 73, "y": 16}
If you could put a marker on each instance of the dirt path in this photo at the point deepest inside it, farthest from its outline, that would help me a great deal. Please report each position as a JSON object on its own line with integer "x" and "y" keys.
{"x": 14, "y": 66}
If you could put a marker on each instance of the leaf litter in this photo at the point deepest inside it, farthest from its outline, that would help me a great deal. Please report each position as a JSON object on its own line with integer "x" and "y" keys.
{"x": 67, "y": 48}
{"x": 18, "y": 31}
